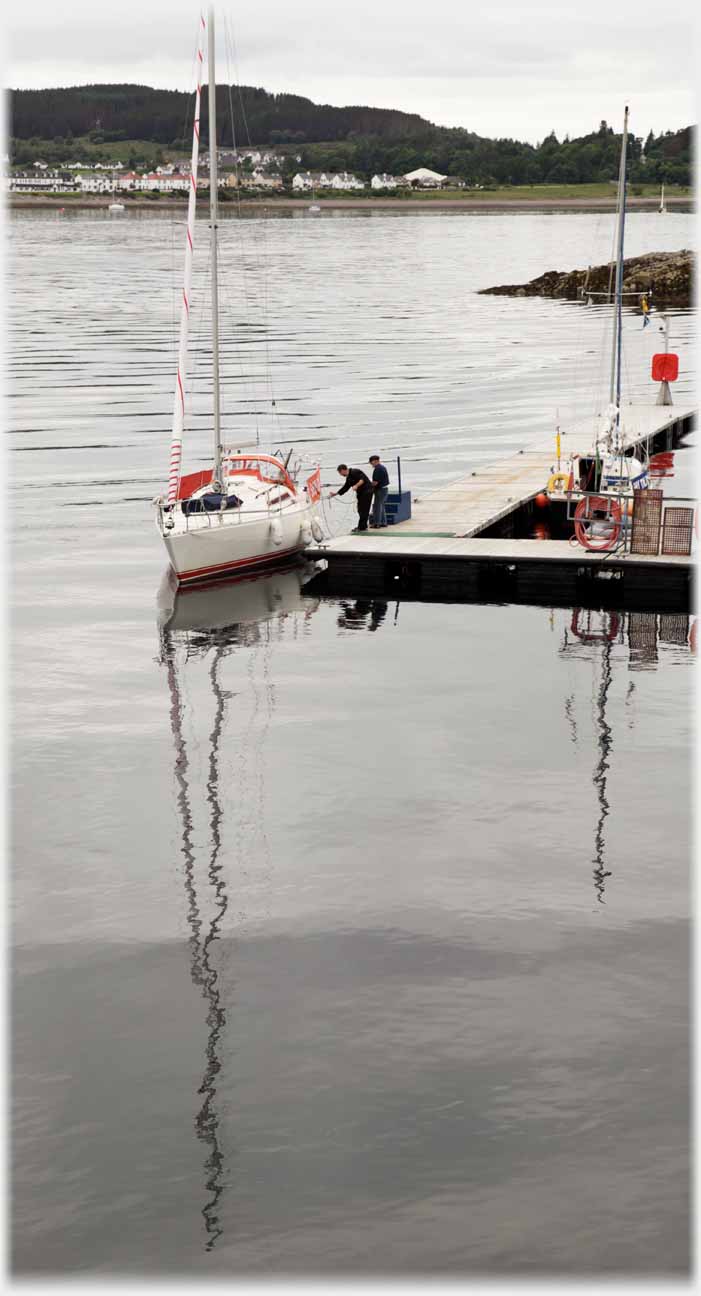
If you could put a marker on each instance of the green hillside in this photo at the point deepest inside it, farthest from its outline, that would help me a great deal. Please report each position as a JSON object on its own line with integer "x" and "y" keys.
{"x": 102, "y": 122}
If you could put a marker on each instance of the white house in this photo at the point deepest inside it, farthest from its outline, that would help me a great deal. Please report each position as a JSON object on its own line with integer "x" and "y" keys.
{"x": 302, "y": 180}
{"x": 383, "y": 182}
{"x": 153, "y": 182}
{"x": 425, "y": 178}
{"x": 47, "y": 182}
{"x": 95, "y": 183}
{"x": 343, "y": 180}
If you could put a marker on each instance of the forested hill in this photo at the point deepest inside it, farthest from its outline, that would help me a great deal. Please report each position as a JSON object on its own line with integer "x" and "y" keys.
{"x": 165, "y": 116}
{"x": 55, "y": 125}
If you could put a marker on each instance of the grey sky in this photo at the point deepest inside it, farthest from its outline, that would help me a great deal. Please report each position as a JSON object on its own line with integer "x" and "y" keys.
{"x": 505, "y": 69}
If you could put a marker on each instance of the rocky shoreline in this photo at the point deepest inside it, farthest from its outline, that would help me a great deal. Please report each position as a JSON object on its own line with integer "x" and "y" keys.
{"x": 666, "y": 276}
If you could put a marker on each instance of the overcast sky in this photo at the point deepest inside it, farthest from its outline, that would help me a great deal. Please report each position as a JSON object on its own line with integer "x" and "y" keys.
{"x": 500, "y": 68}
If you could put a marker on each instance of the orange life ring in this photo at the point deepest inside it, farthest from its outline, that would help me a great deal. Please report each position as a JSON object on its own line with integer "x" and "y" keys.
{"x": 584, "y": 513}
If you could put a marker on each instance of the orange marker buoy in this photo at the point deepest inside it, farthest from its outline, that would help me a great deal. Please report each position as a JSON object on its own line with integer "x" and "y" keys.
{"x": 541, "y": 500}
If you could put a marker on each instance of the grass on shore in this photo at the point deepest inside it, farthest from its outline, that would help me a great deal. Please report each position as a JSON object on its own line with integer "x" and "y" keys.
{"x": 532, "y": 193}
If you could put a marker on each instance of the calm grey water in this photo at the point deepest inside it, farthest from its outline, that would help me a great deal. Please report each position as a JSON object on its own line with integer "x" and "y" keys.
{"x": 349, "y": 937}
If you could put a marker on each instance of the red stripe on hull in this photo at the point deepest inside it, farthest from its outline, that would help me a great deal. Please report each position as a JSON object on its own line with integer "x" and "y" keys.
{"x": 203, "y": 573}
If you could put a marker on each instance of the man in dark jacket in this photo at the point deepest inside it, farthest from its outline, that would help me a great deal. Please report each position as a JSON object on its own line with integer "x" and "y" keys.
{"x": 357, "y": 480}
{"x": 380, "y": 486}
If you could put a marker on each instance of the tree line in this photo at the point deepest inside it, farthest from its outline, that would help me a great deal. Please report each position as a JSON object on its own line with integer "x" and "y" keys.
{"x": 55, "y": 125}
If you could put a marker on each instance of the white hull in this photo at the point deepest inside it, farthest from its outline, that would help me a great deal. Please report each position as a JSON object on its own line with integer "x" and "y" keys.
{"x": 621, "y": 473}
{"x": 208, "y": 545}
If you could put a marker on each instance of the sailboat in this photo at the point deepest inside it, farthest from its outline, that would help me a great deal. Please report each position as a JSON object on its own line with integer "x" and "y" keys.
{"x": 662, "y": 207}
{"x": 247, "y": 509}
{"x": 115, "y": 206}
{"x": 314, "y": 207}
{"x": 607, "y": 468}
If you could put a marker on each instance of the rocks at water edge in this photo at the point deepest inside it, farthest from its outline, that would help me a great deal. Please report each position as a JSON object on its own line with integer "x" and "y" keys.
{"x": 666, "y": 276}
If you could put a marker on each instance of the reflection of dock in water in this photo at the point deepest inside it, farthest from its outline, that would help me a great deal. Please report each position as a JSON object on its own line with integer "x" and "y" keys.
{"x": 195, "y": 625}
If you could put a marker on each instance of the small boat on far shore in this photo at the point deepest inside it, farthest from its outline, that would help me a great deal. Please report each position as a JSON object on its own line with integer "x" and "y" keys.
{"x": 116, "y": 207}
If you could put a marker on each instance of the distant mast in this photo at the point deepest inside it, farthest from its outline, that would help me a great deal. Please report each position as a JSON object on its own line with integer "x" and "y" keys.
{"x": 662, "y": 206}
{"x": 615, "y": 386}
{"x": 213, "y": 180}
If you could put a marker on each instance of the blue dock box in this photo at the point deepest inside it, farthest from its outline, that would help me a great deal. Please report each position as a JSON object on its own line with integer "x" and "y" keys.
{"x": 398, "y": 506}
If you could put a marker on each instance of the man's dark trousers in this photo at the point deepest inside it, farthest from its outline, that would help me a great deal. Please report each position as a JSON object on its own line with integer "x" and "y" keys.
{"x": 364, "y": 501}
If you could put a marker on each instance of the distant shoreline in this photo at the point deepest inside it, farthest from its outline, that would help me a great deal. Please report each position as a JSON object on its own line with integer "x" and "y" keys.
{"x": 27, "y": 203}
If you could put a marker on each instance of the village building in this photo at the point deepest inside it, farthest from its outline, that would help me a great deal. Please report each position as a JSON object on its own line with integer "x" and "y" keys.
{"x": 256, "y": 180}
{"x": 423, "y": 178}
{"x": 44, "y": 182}
{"x": 383, "y": 182}
{"x": 344, "y": 180}
{"x": 266, "y": 180}
{"x": 95, "y": 183}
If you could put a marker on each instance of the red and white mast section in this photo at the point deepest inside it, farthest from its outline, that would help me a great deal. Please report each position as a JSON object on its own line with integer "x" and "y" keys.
{"x": 176, "y": 443}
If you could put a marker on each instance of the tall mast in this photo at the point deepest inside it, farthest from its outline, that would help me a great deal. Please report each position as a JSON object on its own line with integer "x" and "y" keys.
{"x": 213, "y": 181}
{"x": 176, "y": 443}
{"x": 615, "y": 388}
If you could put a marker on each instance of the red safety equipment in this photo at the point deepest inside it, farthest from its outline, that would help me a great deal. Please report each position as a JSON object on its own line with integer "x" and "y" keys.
{"x": 589, "y": 636}
{"x": 585, "y": 521}
{"x": 665, "y": 367}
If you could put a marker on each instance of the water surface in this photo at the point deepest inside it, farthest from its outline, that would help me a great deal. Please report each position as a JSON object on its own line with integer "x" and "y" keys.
{"x": 349, "y": 936}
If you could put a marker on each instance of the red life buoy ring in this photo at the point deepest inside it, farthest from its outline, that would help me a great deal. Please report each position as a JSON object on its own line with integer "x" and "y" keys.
{"x": 585, "y": 520}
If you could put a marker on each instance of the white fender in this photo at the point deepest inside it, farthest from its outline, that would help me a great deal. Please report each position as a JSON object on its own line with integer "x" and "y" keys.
{"x": 276, "y": 531}
{"x": 317, "y": 530}
{"x": 305, "y": 533}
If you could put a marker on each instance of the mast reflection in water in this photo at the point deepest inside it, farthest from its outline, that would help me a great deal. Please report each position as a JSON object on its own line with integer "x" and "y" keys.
{"x": 590, "y": 631}
{"x": 194, "y": 624}
{"x": 593, "y": 634}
